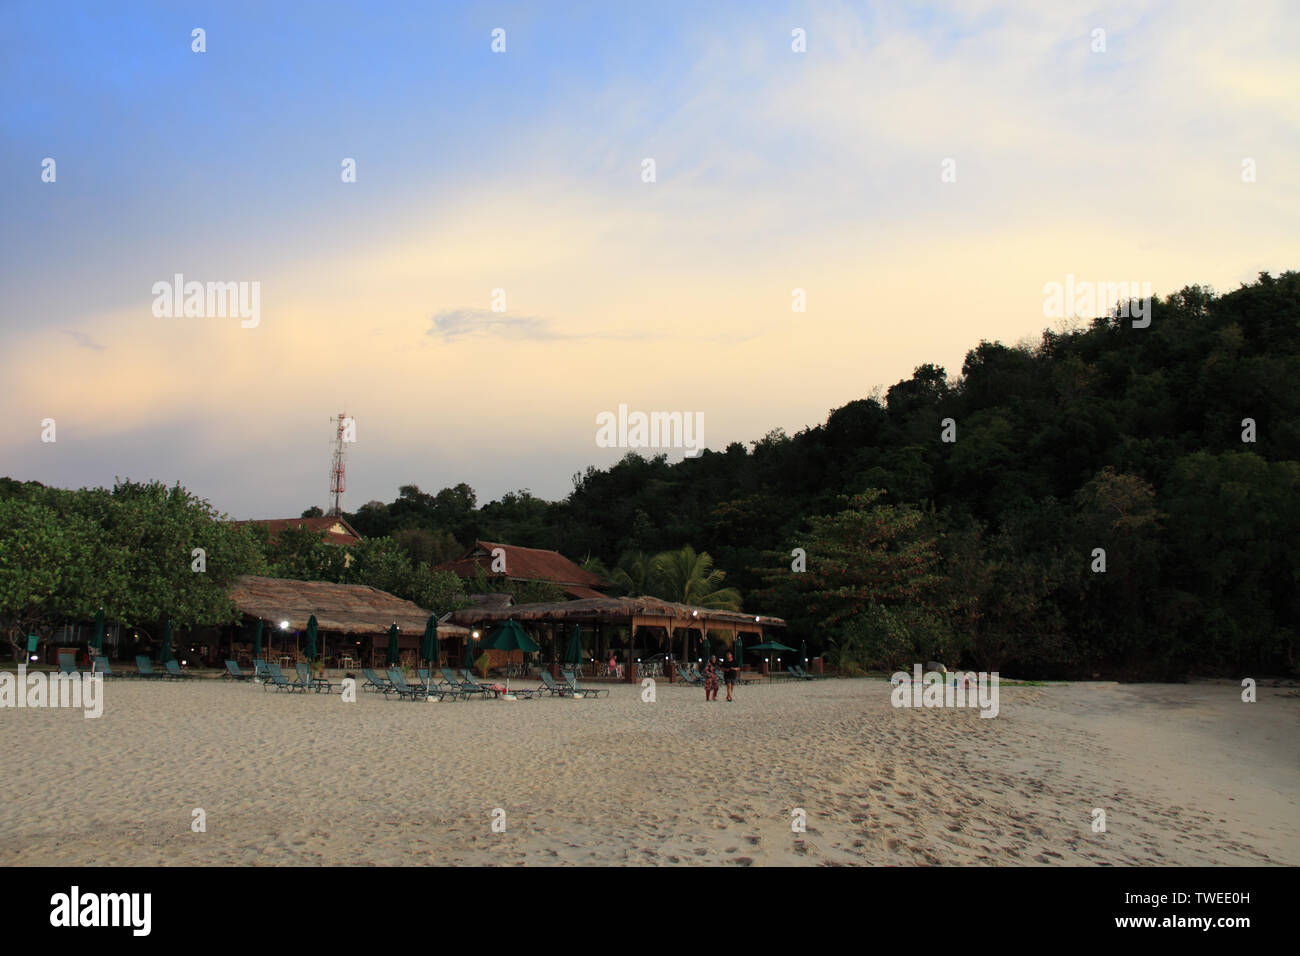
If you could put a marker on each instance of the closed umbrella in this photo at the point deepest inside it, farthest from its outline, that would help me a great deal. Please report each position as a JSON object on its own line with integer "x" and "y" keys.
{"x": 165, "y": 649}
{"x": 803, "y": 654}
{"x": 97, "y": 640}
{"x": 429, "y": 647}
{"x": 311, "y": 638}
{"x": 392, "y": 646}
{"x": 257, "y": 641}
{"x": 573, "y": 653}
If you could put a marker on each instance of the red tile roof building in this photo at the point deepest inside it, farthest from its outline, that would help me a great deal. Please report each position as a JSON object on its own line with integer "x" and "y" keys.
{"x": 529, "y": 564}
{"x": 336, "y": 529}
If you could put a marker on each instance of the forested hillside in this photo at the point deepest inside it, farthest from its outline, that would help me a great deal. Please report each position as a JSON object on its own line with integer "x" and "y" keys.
{"x": 1107, "y": 436}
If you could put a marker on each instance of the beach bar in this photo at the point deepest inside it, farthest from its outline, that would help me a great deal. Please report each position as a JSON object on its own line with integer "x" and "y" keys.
{"x": 648, "y": 624}
{"x": 353, "y": 621}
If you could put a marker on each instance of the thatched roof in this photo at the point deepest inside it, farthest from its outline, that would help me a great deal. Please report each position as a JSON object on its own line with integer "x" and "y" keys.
{"x": 344, "y": 608}
{"x": 612, "y": 610}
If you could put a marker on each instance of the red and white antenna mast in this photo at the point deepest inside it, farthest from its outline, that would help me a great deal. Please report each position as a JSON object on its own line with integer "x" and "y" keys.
{"x": 345, "y": 432}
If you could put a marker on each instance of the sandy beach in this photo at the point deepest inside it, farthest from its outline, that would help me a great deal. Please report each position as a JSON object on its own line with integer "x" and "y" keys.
{"x": 1186, "y": 774}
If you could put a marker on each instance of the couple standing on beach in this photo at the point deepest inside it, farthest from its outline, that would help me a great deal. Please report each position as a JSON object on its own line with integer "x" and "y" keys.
{"x": 729, "y": 671}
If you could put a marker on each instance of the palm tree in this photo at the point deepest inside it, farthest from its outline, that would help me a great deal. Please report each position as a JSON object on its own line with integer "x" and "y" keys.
{"x": 633, "y": 575}
{"x": 689, "y": 578}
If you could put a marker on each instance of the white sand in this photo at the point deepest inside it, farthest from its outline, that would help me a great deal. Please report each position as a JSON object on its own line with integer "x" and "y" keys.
{"x": 1186, "y": 774}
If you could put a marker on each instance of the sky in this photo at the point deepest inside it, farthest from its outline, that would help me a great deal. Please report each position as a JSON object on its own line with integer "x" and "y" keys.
{"x": 524, "y": 171}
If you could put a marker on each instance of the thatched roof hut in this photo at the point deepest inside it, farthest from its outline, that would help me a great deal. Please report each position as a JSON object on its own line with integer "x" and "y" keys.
{"x": 625, "y": 612}
{"x": 342, "y": 608}
{"x": 631, "y": 612}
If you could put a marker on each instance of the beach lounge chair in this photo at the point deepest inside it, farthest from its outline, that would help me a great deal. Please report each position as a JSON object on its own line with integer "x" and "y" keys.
{"x": 466, "y": 687}
{"x": 797, "y": 673}
{"x": 467, "y": 677}
{"x": 584, "y": 691}
{"x": 690, "y": 674}
{"x": 174, "y": 671}
{"x": 308, "y": 682}
{"x": 549, "y": 686}
{"x": 398, "y": 685}
{"x": 232, "y": 670}
{"x": 274, "y": 677}
{"x": 102, "y": 667}
{"x": 374, "y": 682}
{"x": 67, "y": 662}
{"x": 144, "y": 669}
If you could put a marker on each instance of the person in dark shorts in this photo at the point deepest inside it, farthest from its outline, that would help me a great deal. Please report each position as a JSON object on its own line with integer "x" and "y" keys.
{"x": 730, "y": 671}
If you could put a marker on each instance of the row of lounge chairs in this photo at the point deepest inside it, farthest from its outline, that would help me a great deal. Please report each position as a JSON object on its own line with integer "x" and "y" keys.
{"x": 269, "y": 673}
{"x": 463, "y": 686}
{"x": 143, "y": 669}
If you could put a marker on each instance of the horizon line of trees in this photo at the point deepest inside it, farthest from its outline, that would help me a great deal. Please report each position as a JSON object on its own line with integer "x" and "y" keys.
{"x": 1115, "y": 501}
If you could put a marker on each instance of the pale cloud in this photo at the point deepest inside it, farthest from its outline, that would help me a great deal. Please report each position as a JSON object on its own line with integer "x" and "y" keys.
{"x": 83, "y": 340}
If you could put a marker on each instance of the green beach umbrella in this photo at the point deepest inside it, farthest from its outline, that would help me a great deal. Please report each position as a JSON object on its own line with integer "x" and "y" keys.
{"x": 511, "y": 636}
{"x": 97, "y": 641}
{"x": 772, "y": 646}
{"x": 573, "y": 653}
{"x": 257, "y": 640}
{"x": 165, "y": 649}
{"x": 803, "y": 653}
{"x": 393, "y": 654}
{"x": 429, "y": 648}
{"x": 311, "y": 638}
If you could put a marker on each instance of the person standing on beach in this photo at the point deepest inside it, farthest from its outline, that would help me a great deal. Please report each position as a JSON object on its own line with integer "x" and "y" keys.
{"x": 729, "y": 672}
{"x": 711, "y": 679}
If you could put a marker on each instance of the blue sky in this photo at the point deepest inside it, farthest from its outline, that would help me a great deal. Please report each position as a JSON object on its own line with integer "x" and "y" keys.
{"x": 522, "y": 171}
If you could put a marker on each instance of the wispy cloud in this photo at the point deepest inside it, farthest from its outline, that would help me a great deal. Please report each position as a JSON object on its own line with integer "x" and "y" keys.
{"x": 452, "y": 324}
{"x": 84, "y": 340}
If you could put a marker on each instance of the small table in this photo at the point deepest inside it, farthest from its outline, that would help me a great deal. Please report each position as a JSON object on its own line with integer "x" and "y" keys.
{"x": 346, "y": 662}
